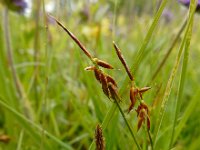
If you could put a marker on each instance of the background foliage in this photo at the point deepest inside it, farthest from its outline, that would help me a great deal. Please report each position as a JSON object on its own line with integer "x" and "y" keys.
{"x": 58, "y": 96}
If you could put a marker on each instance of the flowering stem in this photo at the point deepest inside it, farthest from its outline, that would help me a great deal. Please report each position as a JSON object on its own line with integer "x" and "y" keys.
{"x": 117, "y": 98}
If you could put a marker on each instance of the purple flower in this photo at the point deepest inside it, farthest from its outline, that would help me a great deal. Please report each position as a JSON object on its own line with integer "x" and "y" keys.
{"x": 168, "y": 16}
{"x": 20, "y": 4}
{"x": 16, "y": 5}
{"x": 187, "y": 4}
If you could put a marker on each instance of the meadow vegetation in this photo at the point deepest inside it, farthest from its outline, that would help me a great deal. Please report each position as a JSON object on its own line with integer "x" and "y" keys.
{"x": 139, "y": 92}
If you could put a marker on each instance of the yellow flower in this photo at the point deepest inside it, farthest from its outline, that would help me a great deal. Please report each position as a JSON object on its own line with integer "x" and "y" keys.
{"x": 91, "y": 31}
{"x": 105, "y": 27}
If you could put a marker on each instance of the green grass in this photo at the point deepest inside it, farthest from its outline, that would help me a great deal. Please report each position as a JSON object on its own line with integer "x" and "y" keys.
{"x": 59, "y": 105}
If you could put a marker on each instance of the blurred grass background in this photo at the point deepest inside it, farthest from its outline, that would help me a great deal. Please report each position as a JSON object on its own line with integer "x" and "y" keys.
{"x": 57, "y": 95}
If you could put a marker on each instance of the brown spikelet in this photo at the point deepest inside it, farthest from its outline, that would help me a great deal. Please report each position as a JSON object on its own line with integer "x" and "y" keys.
{"x": 133, "y": 95}
{"x": 121, "y": 58}
{"x": 144, "y": 89}
{"x": 148, "y": 123}
{"x": 141, "y": 118}
{"x": 140, "y": 121}
{"x": 4, "y": 138}
{"x": 143, "y": 115}
{"x": 113, "y": 90}
{"x": 110, "y": 79}
{"x": 73, "y": 37}
{"x": 97, "y": 74}
{"x": 90, "y": 68}
{"x": 103, "y": 63}
{"x": 130, "y": 107}
{"x": 99, "y": 139}
{"x": 144, "y": 106}
{"x": 104, "y": 83}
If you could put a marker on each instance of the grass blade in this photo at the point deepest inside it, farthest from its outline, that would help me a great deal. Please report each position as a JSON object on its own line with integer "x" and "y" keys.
{"x": 27, "y": 124}
{"x": 171, "y": 79}
{"x": 149, "y": 34}
{"x": 191, "y": 106}
{"x": 184, "y": 68}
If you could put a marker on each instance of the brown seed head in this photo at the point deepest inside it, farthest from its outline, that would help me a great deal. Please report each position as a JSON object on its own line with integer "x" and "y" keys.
{"x": 99, "y": 139}
{"x": 148, "y": 123}
{"x": 82, "y": 47}
{"x": 121, "y": 58}
{"x": 144, "y": 89}
{"x": 133, "y": 97}
{"x": 110, "y": 79}
{"x": 97, "y": 74}
{"x": 103, "y": 63}
{"x": 141, "y": 118}
{"x": 143, "y": 115}
{"x": 104, "y": 83}
{"x": 113, "y": 91}
{"x": 4, "y": 138}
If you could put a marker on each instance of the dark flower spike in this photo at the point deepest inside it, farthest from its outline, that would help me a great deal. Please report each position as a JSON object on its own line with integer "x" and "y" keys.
{"x": 133, "y": 97}
{"x": 97, "y": 74}
{"x": 143, "y": 115}
{"x": 121, "y": 58}
{"x": 113, "y": 91}
{"x": 74, "y": 38}
{"x": 148, "y": 123}
{"x": 136, "y": 93}
{"x": 111, "y": 80}
{"x": 102, "y": 63}
{"x": 99, "y": 139}
{"x": 143, "y": 105}
{"x": 141, "y": 118}
{"x": 187, "y": 4}
{"x": 104, "y": 83}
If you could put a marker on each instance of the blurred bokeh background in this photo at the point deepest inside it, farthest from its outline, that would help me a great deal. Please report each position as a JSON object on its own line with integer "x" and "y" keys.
{"x": 42, "y": 72}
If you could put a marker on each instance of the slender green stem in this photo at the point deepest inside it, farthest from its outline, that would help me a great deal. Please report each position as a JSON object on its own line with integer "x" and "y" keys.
{"x": 44, "y": 98}
{"x": 19, "y": 143}
{"x": 36, "y": 47}
{"x": 10, "y": 53}
{"x": 24, "y": 102}
{"x": 127, "y": 124}
{"x": 150, "y": 139}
